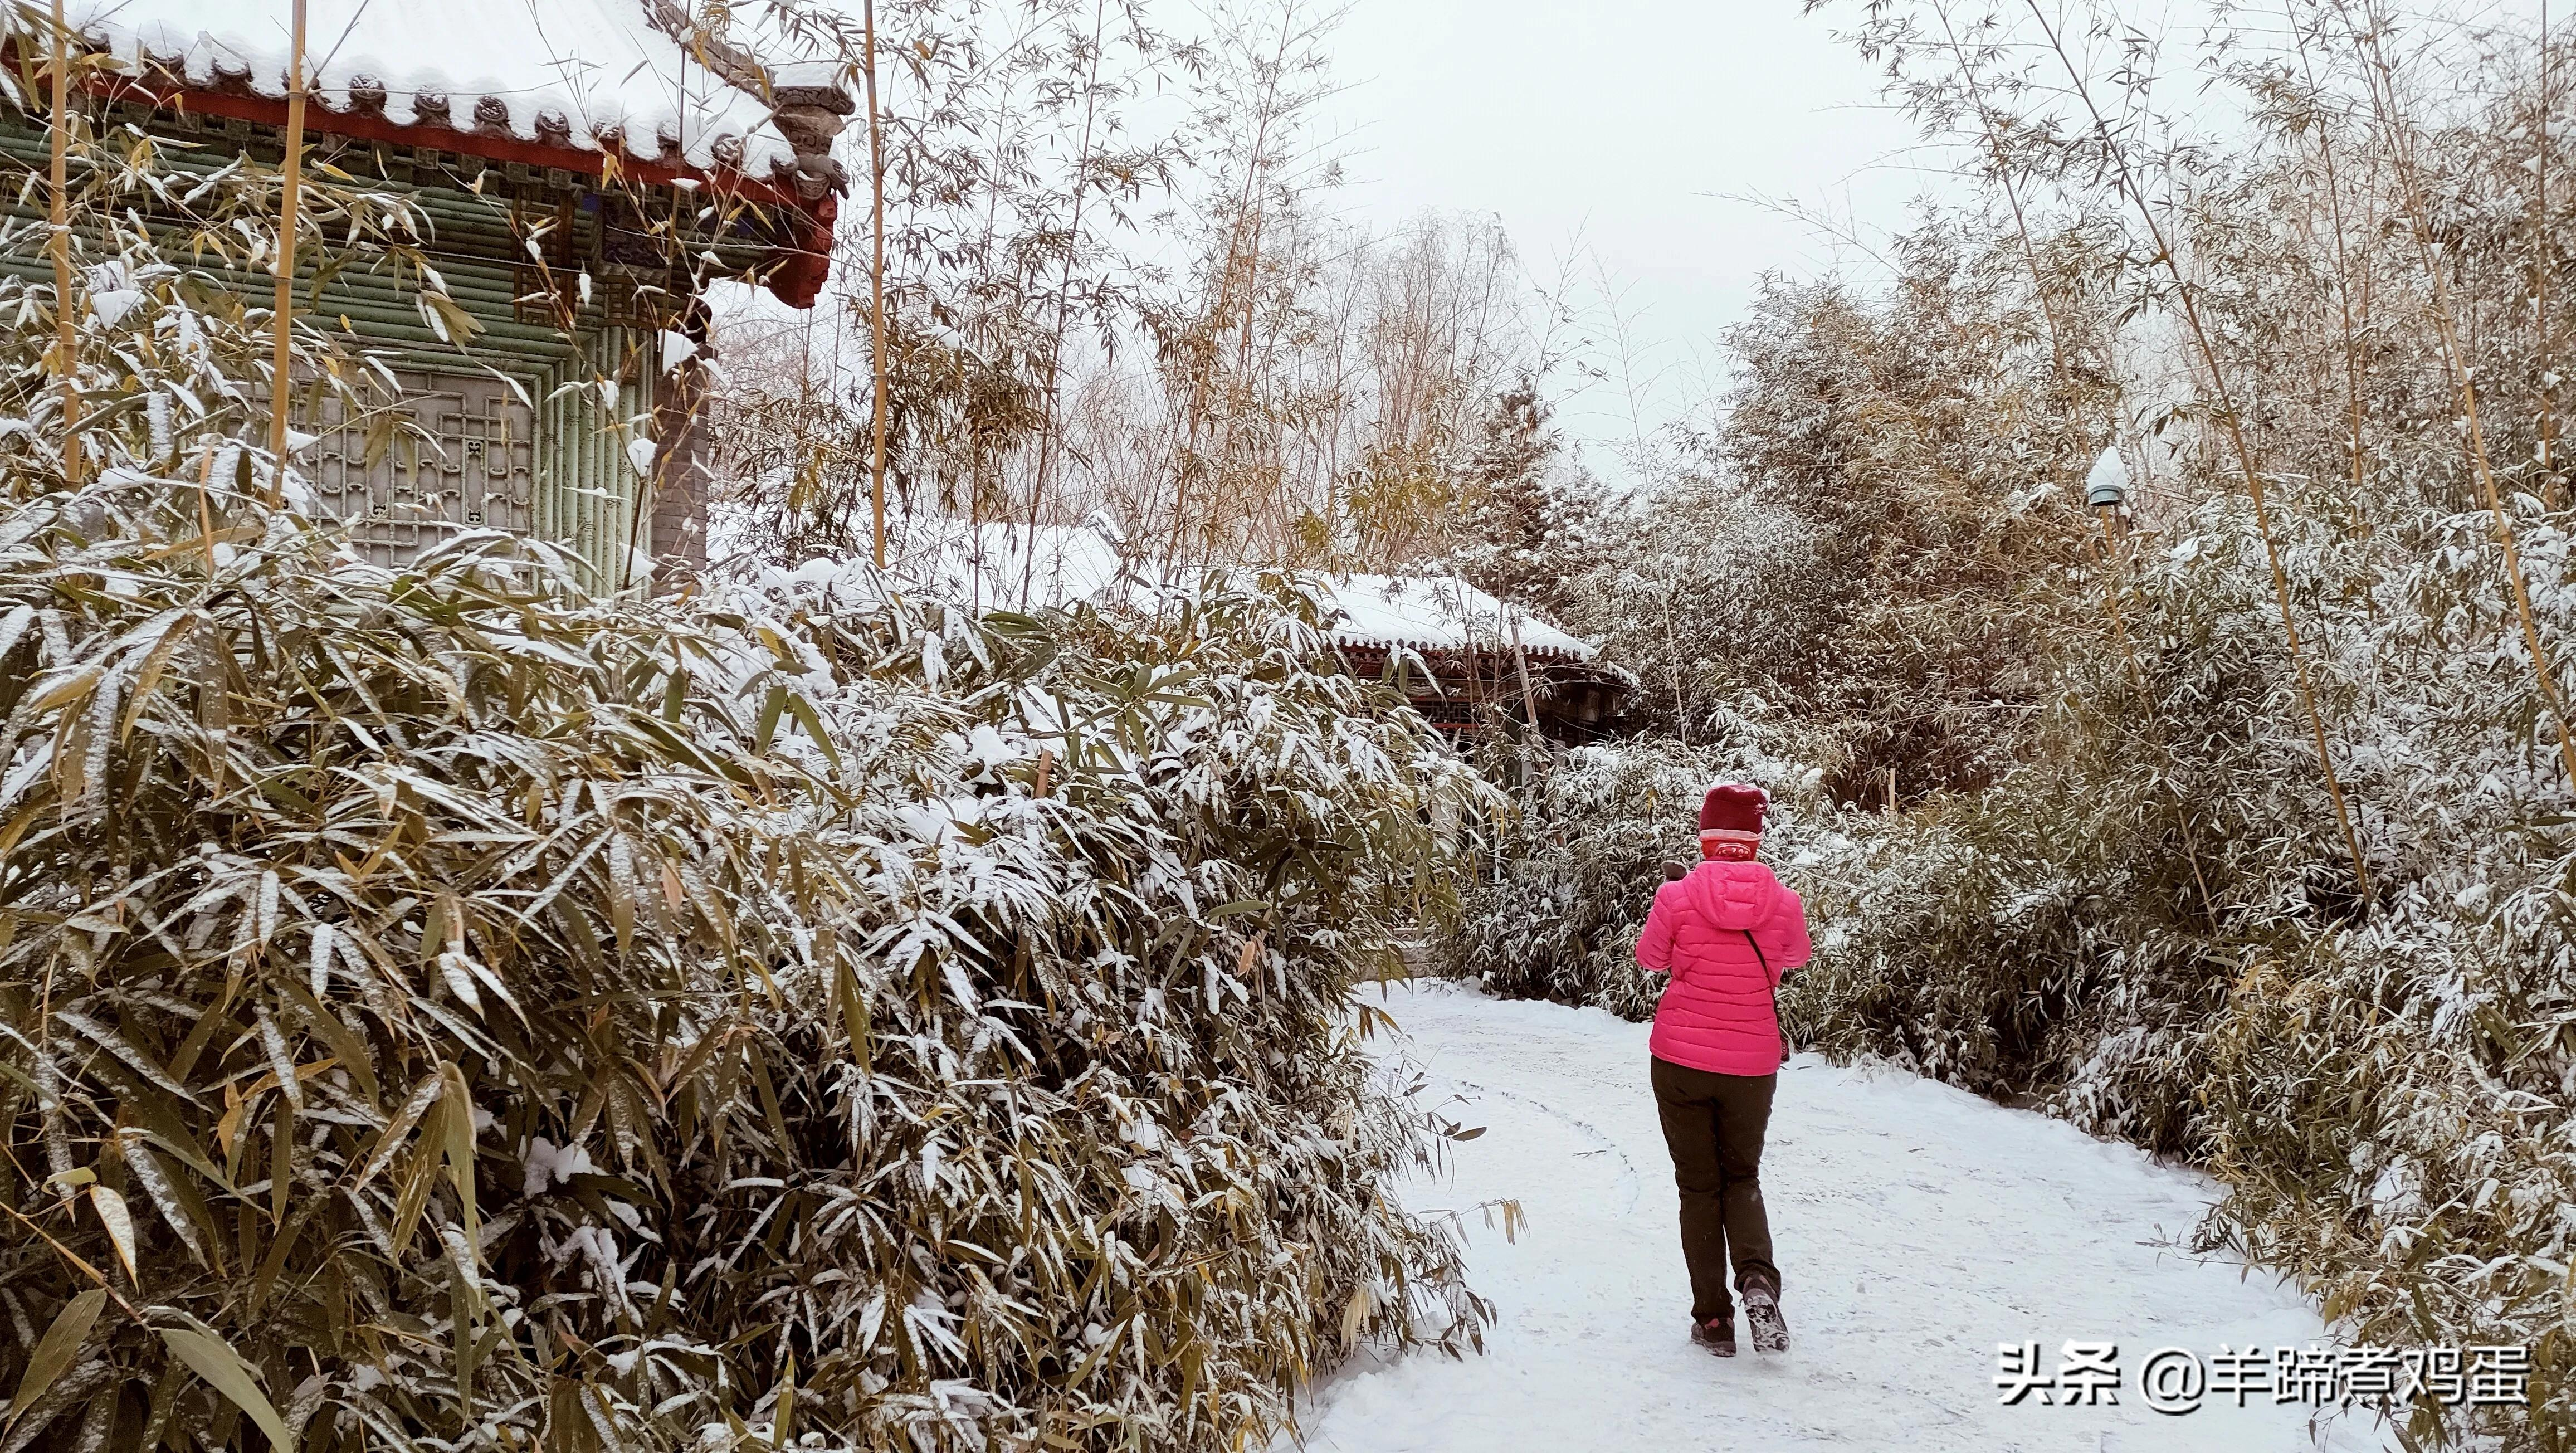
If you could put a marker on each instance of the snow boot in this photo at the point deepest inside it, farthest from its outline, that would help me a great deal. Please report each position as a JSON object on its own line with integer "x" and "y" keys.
{"x": 1762, "y": 1315}
{"x": 1717, "y": 1334}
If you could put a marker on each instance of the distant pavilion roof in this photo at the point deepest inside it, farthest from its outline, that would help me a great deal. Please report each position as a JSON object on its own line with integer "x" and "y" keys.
{"x": 1459, "y": 654}
{"x": 1440, "y": 613}
{"x": 1061, "y": 564}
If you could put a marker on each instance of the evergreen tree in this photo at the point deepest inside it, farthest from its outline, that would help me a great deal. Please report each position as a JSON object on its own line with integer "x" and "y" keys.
{"x": 1532, "y": 514}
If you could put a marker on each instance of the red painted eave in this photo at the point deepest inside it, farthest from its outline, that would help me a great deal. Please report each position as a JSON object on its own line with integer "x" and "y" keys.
{"x": 797, "y": 276}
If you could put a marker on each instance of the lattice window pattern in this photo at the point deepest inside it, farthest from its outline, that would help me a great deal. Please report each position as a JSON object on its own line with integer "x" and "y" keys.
{"x": 476, "y": 470}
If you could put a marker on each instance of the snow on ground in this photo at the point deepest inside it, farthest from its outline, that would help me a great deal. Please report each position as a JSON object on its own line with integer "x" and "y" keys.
{"x": 1917, "y": 1226}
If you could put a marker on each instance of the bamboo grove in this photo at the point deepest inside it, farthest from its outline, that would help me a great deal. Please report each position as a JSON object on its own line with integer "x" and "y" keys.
{"x": 445, "y": 1005}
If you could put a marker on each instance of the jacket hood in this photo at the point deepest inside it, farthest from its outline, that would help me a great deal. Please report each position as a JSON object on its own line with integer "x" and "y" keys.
{"x": 1732, "y": 896}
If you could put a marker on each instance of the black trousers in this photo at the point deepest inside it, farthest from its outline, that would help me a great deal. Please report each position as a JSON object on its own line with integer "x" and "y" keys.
{"x": 1713, "y": 1125}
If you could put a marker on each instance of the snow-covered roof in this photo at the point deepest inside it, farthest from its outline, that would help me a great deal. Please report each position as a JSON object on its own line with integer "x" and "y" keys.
{"x": 1065, "y": 564}
{"x": 561, "y": 71}
{"x": 1440, "y": 612}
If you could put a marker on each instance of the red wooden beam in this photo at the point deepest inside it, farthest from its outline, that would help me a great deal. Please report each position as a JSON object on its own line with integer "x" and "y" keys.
{"x": 804, "y": 261}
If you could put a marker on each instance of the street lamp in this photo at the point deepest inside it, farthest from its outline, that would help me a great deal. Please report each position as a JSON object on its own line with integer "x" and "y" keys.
{"x": 2106, "y": 485}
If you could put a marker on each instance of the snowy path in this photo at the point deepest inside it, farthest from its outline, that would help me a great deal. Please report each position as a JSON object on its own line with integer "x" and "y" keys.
{"x": 1917, "y": 1226}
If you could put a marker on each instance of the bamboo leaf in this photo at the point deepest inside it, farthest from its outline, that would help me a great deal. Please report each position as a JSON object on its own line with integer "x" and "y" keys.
{"x": 179, "y": 1206}
{"x": 213, "y": 1359}
{"x": 770, "y": 711}
{"x": 157, "y": 662}
{"x": 345, "y": 1045}
{"x": 281, "y": 1158}
{"x": 55, "y": 1350}
{"x": 389, "y": 1142}
{"x": 64, "y": 688}
{"x": 456, "y": 1106}
{"x": 124, "y": 1049}
{"x": 813, "y": 725}
{"x": 1355, "y": 1315}
{"x": 119, "y": 1221}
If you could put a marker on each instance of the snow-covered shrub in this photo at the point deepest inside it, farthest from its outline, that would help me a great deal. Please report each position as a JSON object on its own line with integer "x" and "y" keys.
{"x": 2061, "y": 933}
{"x": 1552, "y": 917}
{"x": 492, "y": 1010}
{"x": 438, "y": 1007}
{"x": 2150, "y": 930}
{"x": 2114, "y": 882}
{"x": 1554, "y": 914}
{"x": 2147, "y": 927}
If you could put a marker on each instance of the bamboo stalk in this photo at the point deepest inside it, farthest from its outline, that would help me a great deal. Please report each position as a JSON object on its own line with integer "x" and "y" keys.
{"x": 2446, "y": 327}
{"x": 1255, "y": 164}
{"x": 210, "y": 691}
{"x": 2234, "y": 429}
{"x": 205, "y": 510}
{"x": 58, "y": 210}
{"x": 1064, "y": 300}
{"x": 2343, "y": 276}
{"x": 1520, "y": 658}
{"x": 289, "y": 219}
{"x": 2546, "y": 262}
{"x": 1673, "y": 655}
{"x": 876, "y": 288}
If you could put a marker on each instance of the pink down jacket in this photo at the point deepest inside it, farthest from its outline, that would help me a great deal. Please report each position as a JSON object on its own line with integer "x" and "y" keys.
{"x": 1717, "y": 1015}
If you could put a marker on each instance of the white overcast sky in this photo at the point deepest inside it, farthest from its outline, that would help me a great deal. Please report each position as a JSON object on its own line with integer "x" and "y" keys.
{"x": 1646, "y": 130}
{"x": 1636, "y": 130}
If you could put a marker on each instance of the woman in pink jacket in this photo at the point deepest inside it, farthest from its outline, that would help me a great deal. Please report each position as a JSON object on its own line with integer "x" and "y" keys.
{"x": 1726, "y": 931}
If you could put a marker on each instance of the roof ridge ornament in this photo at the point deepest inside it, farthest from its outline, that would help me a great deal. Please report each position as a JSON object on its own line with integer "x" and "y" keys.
{"x": 809, "y": 110}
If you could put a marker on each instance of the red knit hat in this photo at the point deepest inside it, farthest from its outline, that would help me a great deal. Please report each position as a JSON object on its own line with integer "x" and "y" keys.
{"x": 1730, "y": 821}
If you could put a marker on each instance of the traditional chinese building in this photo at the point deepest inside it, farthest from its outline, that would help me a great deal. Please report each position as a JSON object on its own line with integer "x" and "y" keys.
{"x": 585, "y": 170}
{"x": 1469, "y": 662}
